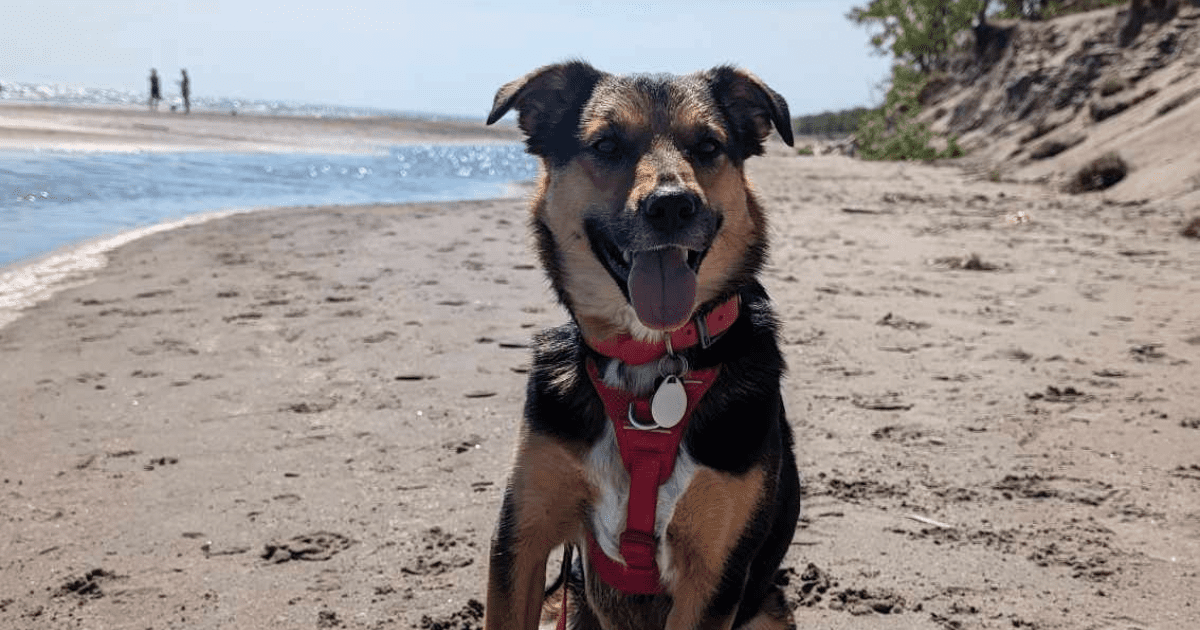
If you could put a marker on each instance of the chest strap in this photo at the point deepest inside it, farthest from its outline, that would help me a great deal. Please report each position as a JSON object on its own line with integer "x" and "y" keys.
{"x": 649, "y": 457}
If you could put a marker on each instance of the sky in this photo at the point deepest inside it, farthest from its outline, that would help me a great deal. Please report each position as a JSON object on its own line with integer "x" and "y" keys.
{"x": 435, "y": 56}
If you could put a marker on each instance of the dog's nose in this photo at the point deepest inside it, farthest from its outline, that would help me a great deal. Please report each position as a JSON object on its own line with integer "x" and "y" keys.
{"x": 670, "y": 210}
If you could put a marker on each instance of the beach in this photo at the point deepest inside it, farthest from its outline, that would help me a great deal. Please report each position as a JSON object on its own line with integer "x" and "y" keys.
{"x": 32, "y": 126}
{"x": 305, "y": 417}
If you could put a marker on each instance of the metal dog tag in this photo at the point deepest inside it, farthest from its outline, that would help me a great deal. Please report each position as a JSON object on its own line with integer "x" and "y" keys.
{"x": 669, "y": 403}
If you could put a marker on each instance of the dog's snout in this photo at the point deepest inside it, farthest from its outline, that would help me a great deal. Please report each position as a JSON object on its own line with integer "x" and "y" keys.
{"x": 670, "y": 210}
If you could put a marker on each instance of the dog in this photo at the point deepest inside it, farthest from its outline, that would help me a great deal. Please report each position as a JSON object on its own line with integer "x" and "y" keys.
{"x": 654, "y": 439}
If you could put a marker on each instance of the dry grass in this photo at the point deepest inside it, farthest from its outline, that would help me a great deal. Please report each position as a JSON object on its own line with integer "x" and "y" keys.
{"x": 1099, "y": 174}
{"x": 1192, "y": 229}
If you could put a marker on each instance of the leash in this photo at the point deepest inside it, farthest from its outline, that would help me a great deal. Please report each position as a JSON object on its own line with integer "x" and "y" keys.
{"x": 562, "y": 581}
{"x": 562, "y": 616}
{"x": 649, "y": 430}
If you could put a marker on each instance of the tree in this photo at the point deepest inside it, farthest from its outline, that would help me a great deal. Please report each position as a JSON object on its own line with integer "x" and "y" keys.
{"x": 1027, "y": 9}
{"x": 892, "y": 131}
{"x": 917, "y": 33}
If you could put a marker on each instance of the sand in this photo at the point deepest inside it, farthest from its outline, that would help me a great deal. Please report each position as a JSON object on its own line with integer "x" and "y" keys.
{"x": 304, "y": 418}
{"x": 46, "y": 127}
{"x": 1064, "y": 92}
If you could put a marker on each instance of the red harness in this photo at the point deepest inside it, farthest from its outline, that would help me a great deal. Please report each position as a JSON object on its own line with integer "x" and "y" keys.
{"x": 648, "y": 452}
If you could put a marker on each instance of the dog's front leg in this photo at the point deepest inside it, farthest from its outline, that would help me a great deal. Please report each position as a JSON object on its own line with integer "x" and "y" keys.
{"x": 543, "y": 506}
{"x": 712, "y": 542}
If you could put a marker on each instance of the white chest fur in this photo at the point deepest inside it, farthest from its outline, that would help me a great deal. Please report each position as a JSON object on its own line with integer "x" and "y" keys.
{"x": 607, "y": 474}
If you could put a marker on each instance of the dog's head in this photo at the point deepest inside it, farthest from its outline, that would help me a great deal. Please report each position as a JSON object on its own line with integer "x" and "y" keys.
{"x": 643, "y": 214}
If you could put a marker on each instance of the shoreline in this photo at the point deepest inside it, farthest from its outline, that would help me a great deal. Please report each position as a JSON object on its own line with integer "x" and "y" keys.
{"x": 91, "y": 129}
{"x": 85, "y": 129}
{"x": 24, "y": 283}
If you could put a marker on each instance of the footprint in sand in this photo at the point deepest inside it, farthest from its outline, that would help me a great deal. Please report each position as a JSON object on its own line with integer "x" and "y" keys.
{"x": 441, "y": 552}
{"x": 86, "y": 586}
{"x": 159, "y": 462}
{"x": 316, "y": 546}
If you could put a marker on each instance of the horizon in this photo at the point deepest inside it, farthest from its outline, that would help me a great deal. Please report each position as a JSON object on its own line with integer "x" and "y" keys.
{"x": 361, "y": 55}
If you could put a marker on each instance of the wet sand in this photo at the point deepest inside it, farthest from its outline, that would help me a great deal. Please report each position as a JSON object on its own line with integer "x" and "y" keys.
{"x": 45, "y": 127}
{"x": 305, "y": 417}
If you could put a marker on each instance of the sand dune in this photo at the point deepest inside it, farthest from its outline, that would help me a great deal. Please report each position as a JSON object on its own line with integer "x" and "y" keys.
{"x": 1046, "y": 98}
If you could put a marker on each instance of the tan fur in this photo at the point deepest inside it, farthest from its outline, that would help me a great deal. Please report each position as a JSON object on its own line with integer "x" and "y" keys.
{"x": 663, "y": 165}
{"x": 552, "y": 494}
{"x": 624, "y": 110}
{"x": 564, "y": 196}
{"x": 728, "y": 190}
{"x": 707, "y": 524}
{"x": 552, "y": 608}
{"x": 691, "y": 122}
{"x": 560, "y": 203}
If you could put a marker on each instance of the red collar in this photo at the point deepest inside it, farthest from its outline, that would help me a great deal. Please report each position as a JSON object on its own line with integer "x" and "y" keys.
{"x": 699, "y": 330}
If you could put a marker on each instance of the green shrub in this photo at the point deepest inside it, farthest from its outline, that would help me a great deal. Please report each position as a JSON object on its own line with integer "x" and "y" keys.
{"x": 892, "y": 131}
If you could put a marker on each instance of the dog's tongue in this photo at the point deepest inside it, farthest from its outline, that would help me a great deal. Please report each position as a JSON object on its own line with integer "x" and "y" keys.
{"x": 662, "y": 288}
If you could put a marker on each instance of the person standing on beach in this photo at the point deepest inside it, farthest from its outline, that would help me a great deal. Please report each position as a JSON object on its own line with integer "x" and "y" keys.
{"x": 155, "y": 92}
{"x": 185, "y": 88}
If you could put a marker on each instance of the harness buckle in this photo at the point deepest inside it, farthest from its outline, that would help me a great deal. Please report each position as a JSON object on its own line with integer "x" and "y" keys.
{"x": 702, "y": 331}
{"x": 637, "y": 424}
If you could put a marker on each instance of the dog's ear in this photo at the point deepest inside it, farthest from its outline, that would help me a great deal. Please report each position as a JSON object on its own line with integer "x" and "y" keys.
{"x": 751, "y": 106}
{"x": 548, "y": 101}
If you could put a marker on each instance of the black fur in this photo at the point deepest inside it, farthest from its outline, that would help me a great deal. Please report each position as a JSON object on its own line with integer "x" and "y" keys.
{"x": 750, "y": 108}
{"x": 740, "y": 423}
{"x": 561, "y": 402}
{"x": 550, "y": 101}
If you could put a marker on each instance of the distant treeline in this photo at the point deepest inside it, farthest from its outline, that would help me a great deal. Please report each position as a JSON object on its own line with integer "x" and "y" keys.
{"x": 837, "y": 123}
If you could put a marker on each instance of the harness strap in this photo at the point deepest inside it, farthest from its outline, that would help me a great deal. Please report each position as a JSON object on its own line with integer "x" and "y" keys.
{"x": 649, "y": 457}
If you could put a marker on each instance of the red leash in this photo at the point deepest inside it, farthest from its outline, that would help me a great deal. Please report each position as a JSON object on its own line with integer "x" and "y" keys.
{"x": 562, "y": 615}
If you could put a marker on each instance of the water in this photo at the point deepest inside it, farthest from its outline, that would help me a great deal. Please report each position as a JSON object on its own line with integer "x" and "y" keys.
{"x": 64, "y": 94}
{"x": 82, "y": 206}
{"x": 48, "y": 200}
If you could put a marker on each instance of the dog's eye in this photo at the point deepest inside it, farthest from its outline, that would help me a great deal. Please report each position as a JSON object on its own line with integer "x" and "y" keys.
{"x": 706, "y": 150}
{"x": 606, "y": 147}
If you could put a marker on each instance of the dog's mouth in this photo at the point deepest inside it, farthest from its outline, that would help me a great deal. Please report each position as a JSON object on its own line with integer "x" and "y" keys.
{"x": 660, "y": 283}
